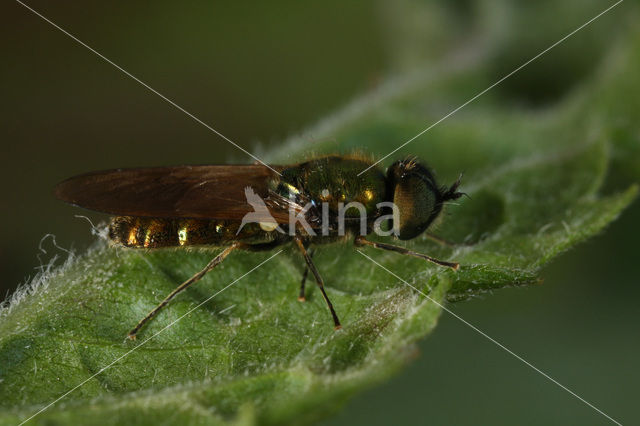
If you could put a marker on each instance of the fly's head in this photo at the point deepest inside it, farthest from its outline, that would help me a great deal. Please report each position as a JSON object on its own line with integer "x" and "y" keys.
{"x": 417, "y": 196}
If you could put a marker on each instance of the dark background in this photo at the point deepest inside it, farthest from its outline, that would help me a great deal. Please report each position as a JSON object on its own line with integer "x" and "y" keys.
{"x": 259, "y": 73}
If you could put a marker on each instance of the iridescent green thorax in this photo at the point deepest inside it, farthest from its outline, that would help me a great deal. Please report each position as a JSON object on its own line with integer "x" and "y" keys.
{"x": 335, "y": 180}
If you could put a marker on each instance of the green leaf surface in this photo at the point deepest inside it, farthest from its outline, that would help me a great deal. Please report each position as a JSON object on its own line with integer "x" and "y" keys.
{"x": 253, "y": 353}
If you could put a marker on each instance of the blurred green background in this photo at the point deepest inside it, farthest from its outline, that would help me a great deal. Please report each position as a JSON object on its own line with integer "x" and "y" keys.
{"x": 261, "y": 72}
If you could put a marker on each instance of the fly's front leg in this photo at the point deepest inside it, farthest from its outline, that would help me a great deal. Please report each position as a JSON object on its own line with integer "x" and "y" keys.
{"x": 319, "y": 281}
{"x": 439, "y": 240}
{"x": 362, "y": 241}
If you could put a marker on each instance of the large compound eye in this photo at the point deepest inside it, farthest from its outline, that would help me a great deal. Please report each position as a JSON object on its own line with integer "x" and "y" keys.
{"x": 416, "y": 196}
{"x": 416, "y": 206}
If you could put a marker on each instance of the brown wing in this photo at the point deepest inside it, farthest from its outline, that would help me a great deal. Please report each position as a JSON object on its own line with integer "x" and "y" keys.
{"x": 204, "y": 192}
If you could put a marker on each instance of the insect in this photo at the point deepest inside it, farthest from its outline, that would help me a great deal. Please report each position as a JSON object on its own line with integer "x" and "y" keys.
{"x": 251, "y": 207}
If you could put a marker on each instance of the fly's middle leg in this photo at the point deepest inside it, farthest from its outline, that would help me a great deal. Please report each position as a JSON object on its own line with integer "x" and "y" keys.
{"x": 301, "y": 296}
{"x": 319, "y": 281}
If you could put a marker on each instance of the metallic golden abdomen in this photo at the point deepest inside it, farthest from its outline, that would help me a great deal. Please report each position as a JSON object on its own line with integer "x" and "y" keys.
{"x": 143, "y": 232}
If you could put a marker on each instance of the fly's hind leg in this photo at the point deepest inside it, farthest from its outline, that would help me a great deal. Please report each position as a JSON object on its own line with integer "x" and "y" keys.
{"x": 214, "y": 262}
{"x": 361, "y": 241}
{"x": 301, "y": 296}
{"x": 319, "y": 281}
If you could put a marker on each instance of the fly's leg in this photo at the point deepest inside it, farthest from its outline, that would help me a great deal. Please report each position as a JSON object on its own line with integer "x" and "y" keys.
{"x": 214, "y": 262}
{"x": 301, "y": 296}
{"x": 440, "y": 240}
{"x": 445, "y": 243}
{"x": 361, "y": 241}
{"x": 319, "y": 281}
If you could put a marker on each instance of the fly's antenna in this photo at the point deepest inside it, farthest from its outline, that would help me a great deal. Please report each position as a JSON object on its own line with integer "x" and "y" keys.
{"x": 452, "y": 193}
